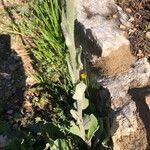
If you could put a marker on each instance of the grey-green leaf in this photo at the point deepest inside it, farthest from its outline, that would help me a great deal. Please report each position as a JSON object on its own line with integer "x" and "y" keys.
{"x": 75, "y": 129}
{"x": 93, "y": 127}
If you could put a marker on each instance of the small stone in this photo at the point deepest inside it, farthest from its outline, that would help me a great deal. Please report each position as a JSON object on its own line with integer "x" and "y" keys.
{"x": 4, "y": 141}
{"x": 115, "y": 16}
{"x": 122, "y": 27}
{"x": 13, "y": 67}
{"x": 125, "y": 34}
{"x": 128, "y": 10}
{"x": 5, "y": 76}
{"x": 27, "y": 104}
{"x": 148, "y": 35}
{"x": 140, "y": 52}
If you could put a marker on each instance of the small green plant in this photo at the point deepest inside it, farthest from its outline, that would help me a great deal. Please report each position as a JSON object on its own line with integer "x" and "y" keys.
{"x": 85, "y": 125}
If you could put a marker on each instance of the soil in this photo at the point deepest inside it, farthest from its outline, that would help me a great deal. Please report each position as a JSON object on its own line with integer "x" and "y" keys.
{"x": 20, "y": 99}
{"x": 16, "y": 71}
{"x": 139, "y": 11}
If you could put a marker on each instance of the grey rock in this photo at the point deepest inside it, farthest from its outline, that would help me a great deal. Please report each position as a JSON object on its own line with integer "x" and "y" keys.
{"x": 100, "y": 25}
{"x": 130, "y": 131}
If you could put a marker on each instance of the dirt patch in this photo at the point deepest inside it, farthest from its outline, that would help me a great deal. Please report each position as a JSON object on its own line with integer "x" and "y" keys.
{"x": 108, "y": 66}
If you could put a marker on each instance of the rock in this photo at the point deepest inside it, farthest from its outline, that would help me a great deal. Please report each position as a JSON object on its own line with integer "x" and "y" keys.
{"x": 101, "y": 28}
{"x": 128, "y": 10}
{"x": 122, "y": 27}
{"x": 107, "y": 49}
{"x": 131, "y": 127}
{"x": 148, "y": 35}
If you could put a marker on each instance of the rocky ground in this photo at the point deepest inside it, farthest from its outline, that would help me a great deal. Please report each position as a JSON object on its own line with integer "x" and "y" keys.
{"x": 139, "y": 34}
{"x": 16, "y": 67}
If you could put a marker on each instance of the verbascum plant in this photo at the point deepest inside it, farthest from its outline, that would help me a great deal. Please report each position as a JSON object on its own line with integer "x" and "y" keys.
{"x": 85, "y": 125}
{"x": 68, "y": 18}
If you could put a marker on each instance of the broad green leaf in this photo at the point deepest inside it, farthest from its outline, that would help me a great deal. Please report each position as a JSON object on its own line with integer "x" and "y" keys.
{"x": 79, "y": 91}
{"x": 74, "y": 114}
{"x": 47, "y": 146}
{"x": 75, "y": 129}
{"x": 38, "y": 119}
{"x": 86, "y": 122}
{"x": 92, "y": 124}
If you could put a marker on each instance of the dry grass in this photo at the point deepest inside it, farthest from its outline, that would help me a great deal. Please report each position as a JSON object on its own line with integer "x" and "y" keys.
{"x": 118, "y": 62}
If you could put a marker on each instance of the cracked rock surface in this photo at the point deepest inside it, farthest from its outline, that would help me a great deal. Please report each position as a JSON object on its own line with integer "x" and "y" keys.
{"x": 131, "y": 128}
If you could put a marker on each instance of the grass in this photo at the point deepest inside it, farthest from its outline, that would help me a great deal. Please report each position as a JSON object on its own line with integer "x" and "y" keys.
{"x": 42, "y": 31}
{"x": 40, "y": 28}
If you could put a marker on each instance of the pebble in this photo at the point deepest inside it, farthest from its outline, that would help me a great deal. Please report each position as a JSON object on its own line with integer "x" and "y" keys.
{"x": 115, "y": 16}
{"x": 148, "y": 35}
{"x": 122, "y": 27}
{"x": 10, "y": 112}
{"x": 128, "y": 10}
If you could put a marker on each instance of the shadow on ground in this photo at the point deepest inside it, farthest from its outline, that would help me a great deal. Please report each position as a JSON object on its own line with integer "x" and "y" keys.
{"x": 139, "y": 95}
{"x": 12, "y": 76}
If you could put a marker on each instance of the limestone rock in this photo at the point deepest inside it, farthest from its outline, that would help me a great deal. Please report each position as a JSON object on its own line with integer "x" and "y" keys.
{"x": 128, "y": 82}
{"x": 96, "y": 16}
{"x": 131, "y": 129}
